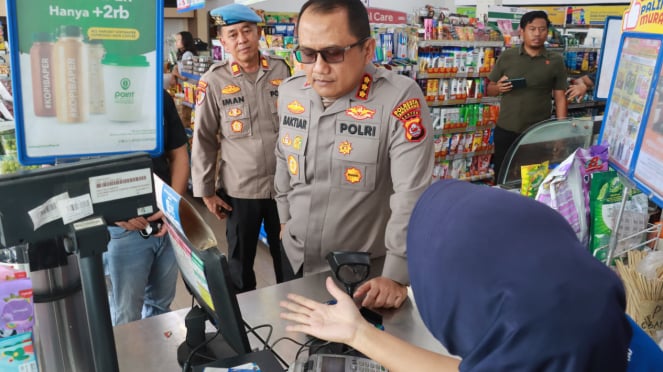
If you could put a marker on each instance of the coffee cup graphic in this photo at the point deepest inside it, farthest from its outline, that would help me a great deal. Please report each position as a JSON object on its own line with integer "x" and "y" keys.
{"x": 124, "y": 86}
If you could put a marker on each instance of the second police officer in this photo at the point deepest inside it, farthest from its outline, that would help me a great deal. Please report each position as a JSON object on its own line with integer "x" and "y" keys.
{"x": 236, "y": 115}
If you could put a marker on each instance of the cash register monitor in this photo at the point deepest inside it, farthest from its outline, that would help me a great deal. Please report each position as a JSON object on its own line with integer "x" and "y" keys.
{"x": 206, "y": 275}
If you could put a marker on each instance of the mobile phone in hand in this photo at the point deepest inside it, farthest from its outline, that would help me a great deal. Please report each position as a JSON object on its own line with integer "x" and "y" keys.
{"x": 518, "y": 83}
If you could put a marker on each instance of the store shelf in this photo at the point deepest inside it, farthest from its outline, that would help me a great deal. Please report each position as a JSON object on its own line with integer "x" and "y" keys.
{"x": 461, "y": 44}
{"x": 462, "y": 129}
{"x": 586, "y": 104}
{"x": 580, "y": 48}
{"x": 464, "y": 155}
{"x": 479, "y": 177}
{"x": 190, "y": 76}
{"x": 451, "y": 75}
{"x": 455, "y": 102}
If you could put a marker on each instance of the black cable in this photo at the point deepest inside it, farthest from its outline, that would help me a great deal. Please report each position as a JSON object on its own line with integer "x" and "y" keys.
{"x": 309, "y": 344}
{"x": 185, "y": 366}
{"x": 265, "y": 342}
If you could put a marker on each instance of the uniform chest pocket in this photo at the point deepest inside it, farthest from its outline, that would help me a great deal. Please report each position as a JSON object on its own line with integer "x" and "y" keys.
{"x": 271, "y": 96}
{"x": 236, "y": 121}
{"x": 354, "y": 164}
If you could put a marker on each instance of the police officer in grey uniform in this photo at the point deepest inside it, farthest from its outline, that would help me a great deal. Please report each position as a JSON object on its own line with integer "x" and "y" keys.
{"x": 354, "y": 151}
{"x": 236, "y": 115}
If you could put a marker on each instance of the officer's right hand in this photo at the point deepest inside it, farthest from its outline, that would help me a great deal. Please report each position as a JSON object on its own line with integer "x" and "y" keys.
{"x": 216, "y": 206}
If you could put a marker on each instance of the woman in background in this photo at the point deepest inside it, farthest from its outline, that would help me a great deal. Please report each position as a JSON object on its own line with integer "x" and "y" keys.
{"x": 501, "y": 281}
{"x": 186, "y": 49}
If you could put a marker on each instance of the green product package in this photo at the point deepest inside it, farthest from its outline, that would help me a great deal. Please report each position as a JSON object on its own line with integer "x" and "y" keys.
{"x": 605, "y": 193}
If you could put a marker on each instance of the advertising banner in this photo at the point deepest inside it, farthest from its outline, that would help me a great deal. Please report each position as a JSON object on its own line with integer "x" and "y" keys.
{"x": 636, "y": 64}
{"x": 644, "y": 16}
{"x": 187, "y": 5}
{"x": 581, "y": 15}
{"x": 86, "y": 77}
{"x": 649, "y": 163}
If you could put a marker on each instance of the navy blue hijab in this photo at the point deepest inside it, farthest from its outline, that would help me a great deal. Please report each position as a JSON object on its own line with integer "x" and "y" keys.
{"x": 503, "y": 282}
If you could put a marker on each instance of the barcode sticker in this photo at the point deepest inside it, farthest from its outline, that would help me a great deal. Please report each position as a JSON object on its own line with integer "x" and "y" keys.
{"x": 47, "y": 212}
{"x": 75, "y": 208}
{"x": 120, "y": 185}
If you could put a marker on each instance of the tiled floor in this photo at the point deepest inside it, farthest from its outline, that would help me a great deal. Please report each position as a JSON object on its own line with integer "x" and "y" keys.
{"x": 263, "y": 263}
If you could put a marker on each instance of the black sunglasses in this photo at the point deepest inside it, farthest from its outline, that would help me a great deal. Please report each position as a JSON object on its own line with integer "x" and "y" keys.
{"x": 329, "y": 55}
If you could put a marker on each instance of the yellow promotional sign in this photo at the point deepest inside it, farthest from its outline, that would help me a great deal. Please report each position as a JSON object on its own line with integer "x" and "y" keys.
{"x": 581, "y": 15}
{"x": 644, "y": 16}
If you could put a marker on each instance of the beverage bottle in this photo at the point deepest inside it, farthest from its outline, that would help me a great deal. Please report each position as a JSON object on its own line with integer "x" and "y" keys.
{"x": 41, "y": 68}
{"x": 70, "y": 66}
{"x": 96, "y": 53}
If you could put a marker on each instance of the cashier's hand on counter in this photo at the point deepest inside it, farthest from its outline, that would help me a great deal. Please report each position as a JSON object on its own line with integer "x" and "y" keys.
{"x": 142, "y": 223}
{"x": 381, "y": 293}
{"x": 337, "y": 323}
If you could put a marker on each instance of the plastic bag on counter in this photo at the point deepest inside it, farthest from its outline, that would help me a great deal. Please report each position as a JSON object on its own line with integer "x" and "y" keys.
{"x": 651, "y": 267}
{"x": 566, "y": 188}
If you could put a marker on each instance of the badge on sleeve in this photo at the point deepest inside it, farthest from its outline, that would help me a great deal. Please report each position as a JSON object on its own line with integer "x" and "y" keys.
{"x": 201, "y": 92}
{"x": 353, "y": 175}
{"x": 414, "y": 130}
{"x": 409, "y": 113}
{"x": 293, "y": 166}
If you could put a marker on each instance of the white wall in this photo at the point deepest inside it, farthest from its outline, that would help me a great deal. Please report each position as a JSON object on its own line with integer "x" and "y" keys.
{"x": 294, "y": 5}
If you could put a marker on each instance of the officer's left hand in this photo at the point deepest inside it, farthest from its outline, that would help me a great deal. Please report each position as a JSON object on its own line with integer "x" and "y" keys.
{"x": 381, "y": 292}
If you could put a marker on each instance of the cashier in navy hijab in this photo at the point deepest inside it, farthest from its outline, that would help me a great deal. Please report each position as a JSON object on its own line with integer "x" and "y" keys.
{"x": 501, "y": 281}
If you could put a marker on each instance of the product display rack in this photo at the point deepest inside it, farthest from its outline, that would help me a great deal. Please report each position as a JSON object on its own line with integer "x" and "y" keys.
{"x": 453, "y": 77}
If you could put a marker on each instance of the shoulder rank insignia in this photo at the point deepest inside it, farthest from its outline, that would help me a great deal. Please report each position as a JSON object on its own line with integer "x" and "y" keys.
{"x": 365, "y": 87}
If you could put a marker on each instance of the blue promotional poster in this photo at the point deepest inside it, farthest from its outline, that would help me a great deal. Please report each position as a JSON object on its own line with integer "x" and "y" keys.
{"x": 86, "y": 77}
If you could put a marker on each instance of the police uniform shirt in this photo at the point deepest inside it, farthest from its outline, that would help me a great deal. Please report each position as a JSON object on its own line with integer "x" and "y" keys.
{"x": 348, "y": 176}
{"x": 237, "y": 116}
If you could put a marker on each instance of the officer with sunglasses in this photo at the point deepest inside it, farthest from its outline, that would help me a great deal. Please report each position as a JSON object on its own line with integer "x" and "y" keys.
{"x": 354, "y": 151}
{"x": 236, "y": 116}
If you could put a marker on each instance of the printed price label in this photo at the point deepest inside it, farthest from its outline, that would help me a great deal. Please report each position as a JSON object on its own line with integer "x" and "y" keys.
{"x": 75, "y": 208}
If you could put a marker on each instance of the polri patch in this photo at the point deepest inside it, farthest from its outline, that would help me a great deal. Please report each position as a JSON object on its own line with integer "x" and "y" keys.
{"x": 276, "y": 82}
{"x": 414, "y": 130}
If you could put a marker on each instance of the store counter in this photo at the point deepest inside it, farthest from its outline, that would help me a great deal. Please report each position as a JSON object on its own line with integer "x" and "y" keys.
{"x": 151, "y": 344}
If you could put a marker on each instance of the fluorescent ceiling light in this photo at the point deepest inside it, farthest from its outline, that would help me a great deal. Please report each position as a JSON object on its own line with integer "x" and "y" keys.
{"x": 247, "y": 2}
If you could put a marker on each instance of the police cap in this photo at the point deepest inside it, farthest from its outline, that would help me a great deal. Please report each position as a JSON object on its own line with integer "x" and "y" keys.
{"x": 234, "y": 13}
